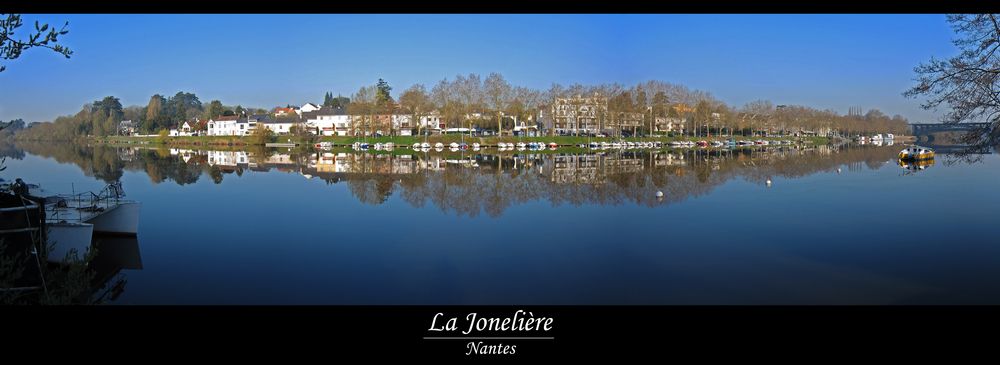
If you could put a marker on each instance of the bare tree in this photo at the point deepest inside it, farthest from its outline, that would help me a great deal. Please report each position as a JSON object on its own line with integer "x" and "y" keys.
{"x": 498, "y": 92}
{"x": 416, "y": 102}
{"x": 967, "y": 83}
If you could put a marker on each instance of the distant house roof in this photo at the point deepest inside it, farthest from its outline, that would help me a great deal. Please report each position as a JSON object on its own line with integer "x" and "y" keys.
{"x": 260, "y": 118}
{"x": 326, "y": 110}
{"x": 310, "y": 104}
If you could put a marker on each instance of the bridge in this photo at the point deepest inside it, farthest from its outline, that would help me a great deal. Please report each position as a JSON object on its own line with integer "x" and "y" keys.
{"x": 928, "y": 128}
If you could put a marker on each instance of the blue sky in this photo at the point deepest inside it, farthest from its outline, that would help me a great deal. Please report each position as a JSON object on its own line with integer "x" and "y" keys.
{"x": 824, "y": 61}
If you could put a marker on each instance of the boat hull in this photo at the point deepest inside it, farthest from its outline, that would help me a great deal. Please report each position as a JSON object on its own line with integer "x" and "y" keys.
{"x": 123, "y": 219}
{"x": 64, "y": 237}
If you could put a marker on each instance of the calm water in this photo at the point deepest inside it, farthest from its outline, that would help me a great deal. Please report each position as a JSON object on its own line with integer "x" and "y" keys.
{"x": 843, "y": 225}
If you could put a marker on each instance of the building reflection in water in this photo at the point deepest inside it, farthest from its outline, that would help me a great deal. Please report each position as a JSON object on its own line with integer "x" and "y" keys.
{"x": 487, "y": 181}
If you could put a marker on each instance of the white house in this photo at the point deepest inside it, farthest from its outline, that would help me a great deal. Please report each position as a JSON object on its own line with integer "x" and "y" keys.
{"x": 328, "y": 121}
{"x": 277, "y": 126}
{"x": 187, "y": 129}
{"x": 431, "y": 121}
{"x": 308, "y": 107}
{"x": 403, "y": 124}
{"x": 224, "y": 126}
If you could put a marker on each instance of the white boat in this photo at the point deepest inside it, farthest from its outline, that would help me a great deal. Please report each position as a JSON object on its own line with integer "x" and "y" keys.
{"x": 72, "y": 219}
{"x": 475, "y": 146}
{"x": 324, "y": 145}
{"x": 438, "y": 145}
{"x": 520, "y": 145}
{"x": 889, "y": 136}
{"x": 425, "y": 145}
{"x": 416, "y": 146}
{"x": 106, "y": 210}
{"x": 453, "y": 145}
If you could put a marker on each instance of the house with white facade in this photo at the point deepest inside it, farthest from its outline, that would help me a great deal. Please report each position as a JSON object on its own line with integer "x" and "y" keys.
{"x": 225, "y": 126}
{"x": 432, "y": 122}
{"x": 188, "y": 128}
{"x": 403, "y": 123}
{"x": 279, "y": 127}
{"x": 306, "y": 108}
{"x": 328, "y": 121}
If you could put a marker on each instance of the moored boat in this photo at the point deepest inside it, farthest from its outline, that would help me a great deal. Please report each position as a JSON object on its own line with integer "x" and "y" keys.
{"x": 915, "y": 153}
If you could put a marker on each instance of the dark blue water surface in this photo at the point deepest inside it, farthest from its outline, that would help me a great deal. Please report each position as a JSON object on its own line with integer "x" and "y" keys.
{"x": 837, "y": 225}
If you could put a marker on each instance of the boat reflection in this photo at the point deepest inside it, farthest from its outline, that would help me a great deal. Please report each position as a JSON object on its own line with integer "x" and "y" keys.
{"x": 115, "y": 254}
{"x": 915, "y": 165}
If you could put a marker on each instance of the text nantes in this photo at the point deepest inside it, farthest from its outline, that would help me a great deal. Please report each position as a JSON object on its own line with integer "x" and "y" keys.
{"x": 521, "y": 321}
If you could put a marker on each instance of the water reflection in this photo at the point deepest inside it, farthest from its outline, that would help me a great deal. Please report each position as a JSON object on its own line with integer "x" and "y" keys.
{"x": 115, "y": 256}
{"x": 470, "y": 183}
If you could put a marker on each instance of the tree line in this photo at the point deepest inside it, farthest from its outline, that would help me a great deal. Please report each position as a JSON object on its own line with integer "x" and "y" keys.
{"x": 492, "y": 103}
{"x": 103, "y": 117}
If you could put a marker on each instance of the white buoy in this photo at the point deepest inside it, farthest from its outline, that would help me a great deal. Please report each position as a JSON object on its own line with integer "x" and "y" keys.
{"x": 768, "y": 182}
{"x": 659, "y": 194}
{"x": 838, "y": 170}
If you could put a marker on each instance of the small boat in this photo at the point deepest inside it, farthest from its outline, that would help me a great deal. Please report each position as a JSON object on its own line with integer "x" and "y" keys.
{"x": 425, "y": 145}
{"x": 553, "y": 145}
{"x": 889, "y": 136}
{"x": 916, "y": 153}
{"x": 416, "y": 146}
{"x": 594, "y": 145}
{"x": 716, "y": 144}
{"x": 438, "y": 145}
{"x": 475, "y": 146}
{"x": 702, "y": 144}
{"x": 676, "y": 144}
{"x": 521, "y": 145}
{"x": 324, "y": 145}
{"x": 453, "y": 145}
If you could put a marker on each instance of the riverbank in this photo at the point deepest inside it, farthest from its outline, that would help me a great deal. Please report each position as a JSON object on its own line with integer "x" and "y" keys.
{"x": 410, "y": 140}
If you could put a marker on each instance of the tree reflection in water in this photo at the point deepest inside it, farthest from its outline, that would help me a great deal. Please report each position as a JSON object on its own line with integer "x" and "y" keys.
{"x": 472, "y": 183}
